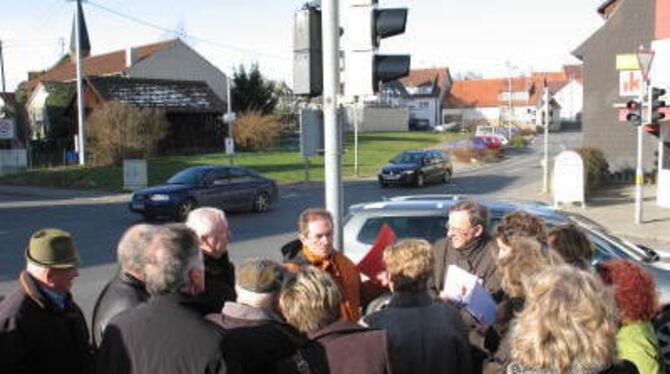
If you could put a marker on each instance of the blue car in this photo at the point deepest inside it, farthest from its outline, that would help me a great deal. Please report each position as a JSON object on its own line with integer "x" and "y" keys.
{"x": 228, "y": 187}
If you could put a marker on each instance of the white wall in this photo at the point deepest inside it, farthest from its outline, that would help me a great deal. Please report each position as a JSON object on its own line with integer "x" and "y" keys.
{"x": 180, "y": 62}
{"x": 571, "y": 100}
{"x": 13, "y": 161}
{"x": 424, "y": 108}
{"x": 384, "y": 119}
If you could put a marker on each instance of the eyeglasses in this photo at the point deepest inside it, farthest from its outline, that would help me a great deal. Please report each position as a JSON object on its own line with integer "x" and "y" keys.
{"x": 458, "y": 230}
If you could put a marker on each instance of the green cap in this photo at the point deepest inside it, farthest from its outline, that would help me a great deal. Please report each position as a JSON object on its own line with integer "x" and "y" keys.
{"x": 260, "y": 276}
{"x": 52, "y": 248}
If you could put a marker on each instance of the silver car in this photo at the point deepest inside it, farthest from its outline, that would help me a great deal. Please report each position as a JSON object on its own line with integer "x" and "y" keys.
{"x": 425, "y": 216}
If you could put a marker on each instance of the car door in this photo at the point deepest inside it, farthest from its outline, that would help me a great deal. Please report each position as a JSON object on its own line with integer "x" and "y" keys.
{"x": 243, "y": 186}
{"x": 215, "y": 191}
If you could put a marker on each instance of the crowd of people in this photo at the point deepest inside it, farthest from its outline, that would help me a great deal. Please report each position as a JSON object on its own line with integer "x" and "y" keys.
{"x": 177, "y": 304}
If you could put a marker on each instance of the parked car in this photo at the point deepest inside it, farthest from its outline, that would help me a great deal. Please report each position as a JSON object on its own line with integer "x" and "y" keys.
{"x": 419, "y": 124}
{"x": 449, "y": 127}
{"x": 426, "y": 216}
{"x": 416, "y": 167}
{"x": 228, "y": 187}
{"x": 493, "y": 143}
{"x": 504, "y": 133}
{"x": 473, "y": 142}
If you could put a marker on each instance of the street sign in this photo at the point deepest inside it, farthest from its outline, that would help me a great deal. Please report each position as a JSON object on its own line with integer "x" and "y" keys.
{"x": 7, "y": 128}
{"x": 230, "y": 146}
{"x": 627, "y": 62}
{"x": 630, "y": 83}
{"x": 645, "y": 57}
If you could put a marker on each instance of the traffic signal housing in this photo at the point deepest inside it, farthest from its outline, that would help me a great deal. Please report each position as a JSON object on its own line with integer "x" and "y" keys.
{"x": 634, "y": 115}
{"x": 307, "y": 52}
{"x": 366, "y": 26}
{"x": 656, "y": 104}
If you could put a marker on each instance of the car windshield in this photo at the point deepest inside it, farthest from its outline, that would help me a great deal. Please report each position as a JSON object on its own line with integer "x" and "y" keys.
{"x": 188, "y": 177}
{"x": 407, "y": 158}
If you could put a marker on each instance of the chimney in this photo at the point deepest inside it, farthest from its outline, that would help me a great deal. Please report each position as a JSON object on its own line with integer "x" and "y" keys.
{"x": 131, "y": 56}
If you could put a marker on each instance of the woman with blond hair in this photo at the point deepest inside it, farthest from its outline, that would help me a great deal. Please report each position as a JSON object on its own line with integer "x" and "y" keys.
{"x": 635, "y": 294}
{"x": 425, "y": 336}
{"x": 311, "y": 303}
{"x": 568, "y": 326}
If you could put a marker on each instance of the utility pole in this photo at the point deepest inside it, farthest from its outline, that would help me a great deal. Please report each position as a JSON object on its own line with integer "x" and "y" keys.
{"x": 80, "y": 91}
{"x": 331, "y": 79}
{"x": 644, "y": 58}
{"x": 2, "y": 68}
{"x": 545, "y": 104}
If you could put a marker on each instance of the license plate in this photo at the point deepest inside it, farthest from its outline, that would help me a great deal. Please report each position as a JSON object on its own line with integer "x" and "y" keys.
{"x": 138, "y": 206}
{"x": 392, "y": 177}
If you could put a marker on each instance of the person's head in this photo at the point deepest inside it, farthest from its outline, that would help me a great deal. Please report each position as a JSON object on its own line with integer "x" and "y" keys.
{"x": 569, "y": 323}
{"x": 523, "y": 258}
{"x": 634, "y": 289}
{"x": 316, "y": 231}
{"x": 211, "y": 227}
{"x": 174, "y": 261}
{"x": 467, "y": 221}
{"x": 409, "y": 264}
{"x": 132, "y": 246}
{"x": 572, "y": 244}
{"x": 52, "y": 259}
{"x": 311, "y": 300}
{"x": 519, "y": 223}
{"x": 259, "y": 282}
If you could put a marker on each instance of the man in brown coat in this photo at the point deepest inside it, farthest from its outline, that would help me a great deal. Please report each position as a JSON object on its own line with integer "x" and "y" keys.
{"x": 41, "y": 328}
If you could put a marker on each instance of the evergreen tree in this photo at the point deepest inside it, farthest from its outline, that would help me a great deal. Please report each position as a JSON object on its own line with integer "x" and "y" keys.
{"x": 251, "y": 92}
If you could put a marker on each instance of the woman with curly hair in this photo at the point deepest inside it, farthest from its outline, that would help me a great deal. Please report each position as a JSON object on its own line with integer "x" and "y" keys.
{"x": 568, "y": 326}
{"x": 572, "y": 244}
{"x": 635, "y": 294}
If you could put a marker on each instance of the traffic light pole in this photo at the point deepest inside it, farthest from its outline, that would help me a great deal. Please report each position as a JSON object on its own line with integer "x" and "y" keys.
{"x": 331, "y": 78}
{"x": 639, "y": 175}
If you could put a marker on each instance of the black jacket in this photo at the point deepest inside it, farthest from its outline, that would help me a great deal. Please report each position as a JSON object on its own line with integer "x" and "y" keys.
{"x": 123, "y": 292}
{"x": 424, "y": 336}
{"x": 168, "y": 334}
{"x": 219, "y": 283}
{"x": 36, "y": 336}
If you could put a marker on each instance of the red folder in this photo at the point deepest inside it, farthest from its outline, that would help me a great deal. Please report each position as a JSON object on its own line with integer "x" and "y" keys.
{"x": 371, "y": 264}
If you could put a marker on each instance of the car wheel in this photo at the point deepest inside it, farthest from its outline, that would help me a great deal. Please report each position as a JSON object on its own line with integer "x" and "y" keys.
{"x": 261, "y": 202}
{"x": 419, "y": 180}
{"x": 378, "y": 304}
{"x": 185, "y": 208}
{"x": 662, "y": 329}
{"x": 447, "y": 177}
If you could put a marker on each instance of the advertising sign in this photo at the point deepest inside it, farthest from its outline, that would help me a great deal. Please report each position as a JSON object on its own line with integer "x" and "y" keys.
{"x": 7, "y": 128}
{"x": 568, "y": 178}
{"x": 630, "y": 83}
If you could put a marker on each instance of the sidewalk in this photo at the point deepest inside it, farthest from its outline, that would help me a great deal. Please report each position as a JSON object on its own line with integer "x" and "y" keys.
{"x": 614, "y": 208}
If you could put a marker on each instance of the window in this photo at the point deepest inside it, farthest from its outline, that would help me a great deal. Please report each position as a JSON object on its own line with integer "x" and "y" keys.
{"x": 429, "y": 228}
{"x": 239, "y": 175}
{"x": 423, "y": 104}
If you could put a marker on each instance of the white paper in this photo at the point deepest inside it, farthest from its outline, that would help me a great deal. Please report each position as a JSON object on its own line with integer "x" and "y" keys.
{"x": 458, "y": 284}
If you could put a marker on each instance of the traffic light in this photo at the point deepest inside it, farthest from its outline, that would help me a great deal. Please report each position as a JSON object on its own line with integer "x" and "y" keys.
{"x": 634, "y": 115}
{"x": 656, "y": 104}
{"x": 307, "y": 52}
{"x": 366, "y": 25}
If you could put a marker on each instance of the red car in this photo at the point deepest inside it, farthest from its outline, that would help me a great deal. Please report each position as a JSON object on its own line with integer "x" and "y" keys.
{"x": 492, "y": 142}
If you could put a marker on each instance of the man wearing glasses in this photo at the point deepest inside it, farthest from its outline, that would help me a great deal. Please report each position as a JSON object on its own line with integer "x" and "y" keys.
{"x": 467, "y": 245}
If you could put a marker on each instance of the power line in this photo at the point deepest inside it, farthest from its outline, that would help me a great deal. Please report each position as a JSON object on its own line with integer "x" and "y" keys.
{"x": 182, "y": 33}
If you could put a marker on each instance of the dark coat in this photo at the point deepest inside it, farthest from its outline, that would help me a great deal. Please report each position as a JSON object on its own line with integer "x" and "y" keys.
{"x": 168, "y": 334}
{"x": 479, "y": 258}
{"x": 349, "y": 348}
{"x": 425, "y": 336}
{"x": 123, "y": 292}
{"x": 37, "y": 336}
{"x": 219, "y": 282}
{"x": 256, "y": 338}
{"x": 621, "y": 367}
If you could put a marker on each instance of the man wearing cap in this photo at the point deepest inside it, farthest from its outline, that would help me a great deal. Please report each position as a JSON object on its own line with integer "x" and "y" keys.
{"x": 41, "y": 328}
{"x": 260, "y": 337}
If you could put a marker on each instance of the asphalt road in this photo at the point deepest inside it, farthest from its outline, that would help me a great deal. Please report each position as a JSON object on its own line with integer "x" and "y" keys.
{"x": 97, "y": 222}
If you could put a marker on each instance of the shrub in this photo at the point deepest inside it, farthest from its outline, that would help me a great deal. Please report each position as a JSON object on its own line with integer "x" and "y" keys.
{"x": 470, "y": 154}
{"x": 517, "y": 141}
{"x": 596, "y": 168}
{"x": 118, "y": 130}
{"x": 255, "y": 131}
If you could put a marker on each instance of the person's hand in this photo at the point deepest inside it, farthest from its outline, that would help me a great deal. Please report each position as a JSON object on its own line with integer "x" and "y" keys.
{"x": 383, "y": 278}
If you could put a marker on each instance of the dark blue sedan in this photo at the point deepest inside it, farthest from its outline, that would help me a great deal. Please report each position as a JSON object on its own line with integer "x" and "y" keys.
{"x": 227, "y": 187}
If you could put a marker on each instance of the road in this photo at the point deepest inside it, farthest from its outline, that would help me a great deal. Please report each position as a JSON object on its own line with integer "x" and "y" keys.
{"x": 97, "y": 222}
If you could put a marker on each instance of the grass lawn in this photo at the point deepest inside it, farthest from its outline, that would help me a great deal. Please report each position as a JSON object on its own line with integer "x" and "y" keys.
{"x": 375, "y": 149}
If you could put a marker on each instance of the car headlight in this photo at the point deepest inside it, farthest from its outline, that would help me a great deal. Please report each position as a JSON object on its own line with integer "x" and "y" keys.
{"x": 408, "y": 172}
{"x": 159, "y": 197}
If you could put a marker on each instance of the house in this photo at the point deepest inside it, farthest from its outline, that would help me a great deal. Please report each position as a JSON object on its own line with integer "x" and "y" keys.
{"x": 499, "y": 102}
{"x": 426, "y": 89}
{"x": 192, "y": 108}
{"x": 567, "y": 88}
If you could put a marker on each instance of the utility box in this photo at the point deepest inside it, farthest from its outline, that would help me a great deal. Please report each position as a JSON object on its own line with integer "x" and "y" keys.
{"x": 568, "y": 179}
{"x": 311, "y": 132}
{"x": 134, "y": 174}
{"x": 307, "y": 53}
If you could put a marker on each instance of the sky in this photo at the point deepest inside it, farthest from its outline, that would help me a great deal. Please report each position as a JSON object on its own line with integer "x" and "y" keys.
{"x": 491, "y": 38}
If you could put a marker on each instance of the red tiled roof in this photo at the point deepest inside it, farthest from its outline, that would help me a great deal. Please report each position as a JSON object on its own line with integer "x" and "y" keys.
{"x": 485, "y": 92}
{"x": 106, "y": 64}
{"x": 421, "y": 77}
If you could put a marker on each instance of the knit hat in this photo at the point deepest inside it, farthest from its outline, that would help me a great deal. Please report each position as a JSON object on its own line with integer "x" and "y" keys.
{"x": 52, "y": 248}
{"x": 260, "y": 276}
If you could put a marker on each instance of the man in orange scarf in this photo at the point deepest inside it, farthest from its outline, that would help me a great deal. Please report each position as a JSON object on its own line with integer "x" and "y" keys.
{"x": 315, "y": 247}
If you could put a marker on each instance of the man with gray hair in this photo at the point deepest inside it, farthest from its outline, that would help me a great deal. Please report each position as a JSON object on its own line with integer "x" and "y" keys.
{"x": 261, "y": 336}
{"x": 126, "y": 290}
{"x": 211, "y": 228}
{"x": 168, "y": 334}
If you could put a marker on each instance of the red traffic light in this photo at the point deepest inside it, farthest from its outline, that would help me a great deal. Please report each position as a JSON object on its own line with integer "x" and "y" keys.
{"x": 633, "y": 105}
